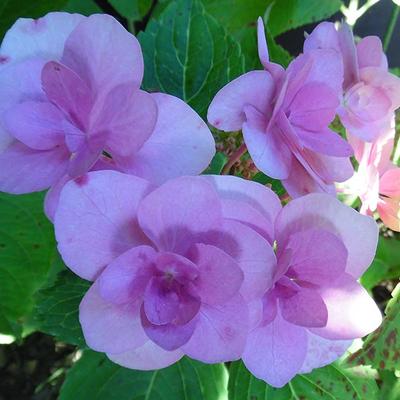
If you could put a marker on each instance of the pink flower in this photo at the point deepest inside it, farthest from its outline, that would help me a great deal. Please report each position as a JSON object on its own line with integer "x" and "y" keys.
{"x": 71, "y": 93}
{"x": 173, "y": 269}
{"x": 377, "y": 181}
{"x": 371, "y": 92}
{"x": 315, "y": 307}
{"x": 284, "y": 116}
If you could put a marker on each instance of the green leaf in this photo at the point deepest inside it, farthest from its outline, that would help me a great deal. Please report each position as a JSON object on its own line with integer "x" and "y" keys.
{"x": 328, "y": 383}
{"x": 133, "y": 10}
{"x": 390, "y": 386}
{"x": 58, "y": 307}
{"x": 26, "y": 250}
{"x": 289, "y": 14}
{"x": 386, "y": 264}
{"x": 381, "y": 349}
{"x": 86, "y": 7}
{"x": 11, "y": 10}
{"x": 234, "y": 15}
{"x": 188, "y": 55}
{"x": 94, "y": 377}
{"x": 274, "y": 184}
{"x": 217, "y": 164}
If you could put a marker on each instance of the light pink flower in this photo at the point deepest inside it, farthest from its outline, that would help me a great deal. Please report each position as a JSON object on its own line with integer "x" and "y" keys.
{"x": 315, "y": 307}
{"x": 173, "y": 269}
{"x": 70, "y": 91}
{"x": 284, "y": 116}
{"x": 377, "y": 180}
{"x": 371, "y": 92}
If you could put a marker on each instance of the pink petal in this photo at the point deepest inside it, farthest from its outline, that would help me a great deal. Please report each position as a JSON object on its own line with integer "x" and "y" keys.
{"x": 23, "y": 170}
{"x": 86, "y": 155}
{"x": 306, "y": 308}
{"x": 389, "y": 212}
{"x": 300, "y": 182}
{"x": 313, "y": 107}
{"x": 316, "y": 264}
{"x": 321, "y": 352}
{"x": 349, "y": 55}
{"x": 178, "y": 129}
{"x": 389, "y": 184}
{"x": 321, "y": 211}
{"x": 128, "y": 115}
{"x": 160, "y": 305}
{"x": 164, "y": 304}
{"x": 311, "y": 161}
{"x": 19, "y": 82}
{"x": 316, "y": 66}
{"x": 52, "y": 197}
{"x": 254, "y": 88}
{"x": 178, "y": 267}
{"x": 169, "y": 336}
{"x": 173, "y": 214}
{"x": 275, "y": 70}
{"x": 276, "y": 352}
{"x": 125, "y": 279}
{"x": 103, "y": 54}
{"x": 146, "y": 357}
{"x": 262, "y": 205}
{"x": 251, "y": 251}
{"x": 324, "y": 36}
{"x": 370, "y": 53}
{"x": 356, "y": 127}
{"x": 108, "y": 327}
{"x": 221, "y": 332}
{"x": 220, "y": 277}
{"x": 44, "y": 37}
{"x": 385, "y": 81}
{"x": 352, "y": 313}
{"x": 367, "y": 103}
{"x": 325, "y": 142}
{"x": 102, "y": 207}
{"x": 68, "y": 91}
{"x": 332, "y": 169}
{"x": 37, "y": 124}
{"x": 268, "y": 151}
{"x": 53, "y": 194}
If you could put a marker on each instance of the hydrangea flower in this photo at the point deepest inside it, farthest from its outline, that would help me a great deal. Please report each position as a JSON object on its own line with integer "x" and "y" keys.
{"x": 315, "y": 307}
{"x": 71, "y": 94}
{"x": 371, "y": 92}
{"x": 284, "y": 116}
{"x": 174, "y": 271}
{"x": 377, "y": 180}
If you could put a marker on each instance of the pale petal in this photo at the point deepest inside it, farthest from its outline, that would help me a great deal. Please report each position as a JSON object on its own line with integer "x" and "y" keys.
{"x": 178, "y": 131}
{"x": 44, "y": 37}
{"x": 321, "y": 211}
{"x": 226, "y": 111}
{"x": 23, "y": 170}
{"x": 352, "y": 313}
{"x": 103, "y": 54}
{"x": 147, "y": 357}
{"x": 276, "y": 352}
{"x": 175, "y": 213}
{"x": 108, "y": 327}
{"x": 96, "y": 220}
{"x": 221, "y": 332}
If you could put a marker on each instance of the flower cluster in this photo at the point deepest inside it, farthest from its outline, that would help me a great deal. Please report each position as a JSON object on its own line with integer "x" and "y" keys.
{"x": 212, "y": 267}
{"x": 71, "y": 102}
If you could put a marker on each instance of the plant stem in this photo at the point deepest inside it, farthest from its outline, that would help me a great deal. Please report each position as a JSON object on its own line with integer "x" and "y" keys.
{"x": 352, "y": 13}
{"x": 131, "y": 25}
{"x": 391, "y": 26}
{"x": 233, "y": 158}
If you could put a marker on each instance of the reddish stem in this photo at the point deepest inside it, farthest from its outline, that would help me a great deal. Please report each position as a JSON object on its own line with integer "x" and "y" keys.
{"x": 234, "y": 158}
